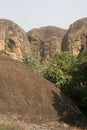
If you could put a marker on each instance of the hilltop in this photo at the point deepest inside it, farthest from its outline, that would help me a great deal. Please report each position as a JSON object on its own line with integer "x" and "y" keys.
{"x": 46, "y": 41}
{"x": 75, "y": 40}
{"x": 13, "y": 39}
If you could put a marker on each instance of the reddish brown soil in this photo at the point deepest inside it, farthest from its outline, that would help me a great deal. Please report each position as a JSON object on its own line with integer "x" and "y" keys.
{"x": 32, "y": 98}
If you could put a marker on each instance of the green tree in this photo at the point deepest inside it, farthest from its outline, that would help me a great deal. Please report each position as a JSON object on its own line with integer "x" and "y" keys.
{"x": 59, "y": 68}
{"x": 79, "y": 82}
{"x": 70, "y": 74}
{"x": 35, "y": 63}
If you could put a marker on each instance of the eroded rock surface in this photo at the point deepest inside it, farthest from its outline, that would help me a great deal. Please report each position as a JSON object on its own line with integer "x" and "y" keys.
{"x": 75, "y": 40}
{"x": 46, "y": 41}
{"x": 13, "y": 39}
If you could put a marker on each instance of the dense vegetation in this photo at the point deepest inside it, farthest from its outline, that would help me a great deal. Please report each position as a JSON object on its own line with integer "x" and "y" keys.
{"x": 35, "y": 63}
{"x": 67, "y": 72}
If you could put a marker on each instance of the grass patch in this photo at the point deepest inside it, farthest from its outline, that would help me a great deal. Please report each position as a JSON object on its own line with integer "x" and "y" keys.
{"x": 2, "y": 127}
{"x": 4, "y": 52}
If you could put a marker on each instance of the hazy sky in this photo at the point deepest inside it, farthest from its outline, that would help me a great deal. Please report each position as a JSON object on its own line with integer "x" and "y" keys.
{"x": 36, "y": 13}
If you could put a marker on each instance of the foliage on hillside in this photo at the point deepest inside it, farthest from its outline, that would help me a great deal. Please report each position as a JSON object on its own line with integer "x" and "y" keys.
{"x": 2, "y": 127}
{"x": 35, "y": 63}
{"x": 70, "y": 74}
{"x": 59, "y": 68}
{"x": 79, "y": 82}
{"x": 67, "y": 72}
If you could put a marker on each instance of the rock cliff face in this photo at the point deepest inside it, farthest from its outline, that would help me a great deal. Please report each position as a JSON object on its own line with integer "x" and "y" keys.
{"x": 75, "y": 40}
{"x": 46, "y": 41}
{"x": 13, "y": 39}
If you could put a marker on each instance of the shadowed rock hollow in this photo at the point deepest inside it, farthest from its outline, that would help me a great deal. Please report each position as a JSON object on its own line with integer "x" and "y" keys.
{"x": 46, "y": 41}
{"x": 33, "y": 99}
{"x": 13, "y": 39}
{"x": 75, "y": 40}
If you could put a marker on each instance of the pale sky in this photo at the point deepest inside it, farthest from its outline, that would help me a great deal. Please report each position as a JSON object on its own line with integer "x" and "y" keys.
{"x": 31, "y": 14}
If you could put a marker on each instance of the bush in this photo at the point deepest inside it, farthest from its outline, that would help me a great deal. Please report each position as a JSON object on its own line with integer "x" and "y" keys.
{"x": 70, "y": 75}
{"x": 35, "y": 63}
{"x": 66, "y": 72}
{"x": 59, "y": 68}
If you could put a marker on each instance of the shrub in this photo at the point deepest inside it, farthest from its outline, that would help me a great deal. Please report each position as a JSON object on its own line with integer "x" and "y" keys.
{"x": 35, "y": 63}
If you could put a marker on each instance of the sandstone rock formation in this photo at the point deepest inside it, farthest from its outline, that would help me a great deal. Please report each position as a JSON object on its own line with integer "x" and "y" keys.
{"x": 13, "y": 39}
{"x": 30, "y": 98}
{"x": 46, "y": 41}
{"x": 75, "y": 40}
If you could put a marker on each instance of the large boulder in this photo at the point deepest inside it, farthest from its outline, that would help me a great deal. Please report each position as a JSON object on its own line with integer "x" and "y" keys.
{"x": 33, "y": 99}
{"x": 75, "y": 40}
{"x": 13, "y": 39}
{"x": 46, "y": 41}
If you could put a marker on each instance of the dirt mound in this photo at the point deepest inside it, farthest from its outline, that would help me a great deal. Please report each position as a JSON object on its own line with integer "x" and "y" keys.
{"x": 28, "y": 97}
{"x": 75, "y": 40}
{"x": 13, "y": 39}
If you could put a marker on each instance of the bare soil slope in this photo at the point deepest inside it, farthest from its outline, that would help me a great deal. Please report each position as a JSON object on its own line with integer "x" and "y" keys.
{"x": 33, "y": 99}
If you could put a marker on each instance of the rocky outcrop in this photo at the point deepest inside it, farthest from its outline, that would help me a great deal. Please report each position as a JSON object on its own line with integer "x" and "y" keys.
{"x": 13, "y": 39}
{"x": 29, "y": 98}
{"x": 46, "y": 41}
{"x": 75, "y": 40}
